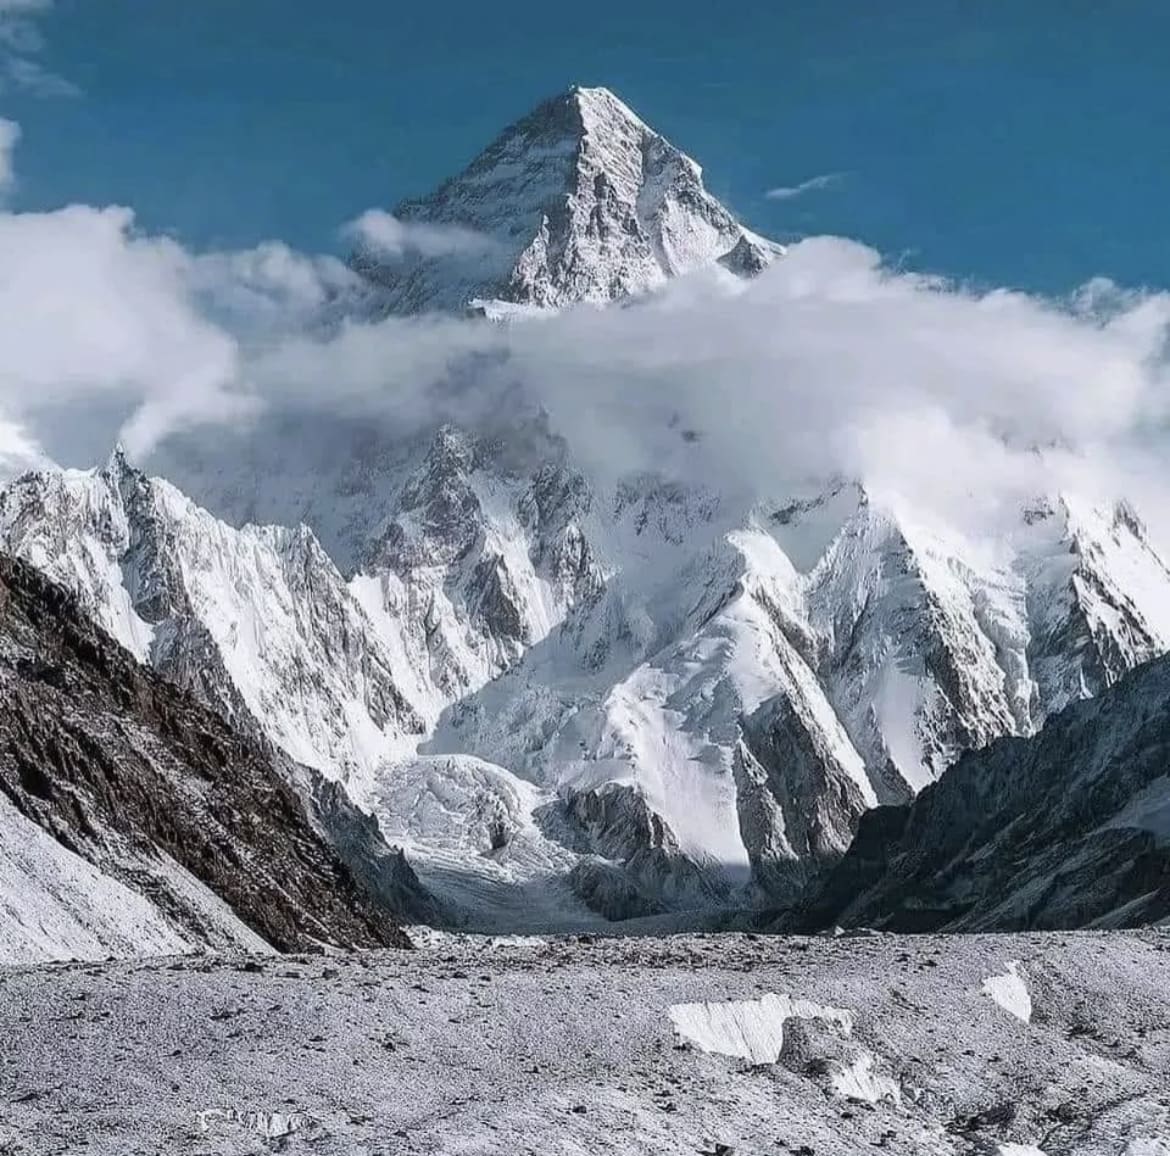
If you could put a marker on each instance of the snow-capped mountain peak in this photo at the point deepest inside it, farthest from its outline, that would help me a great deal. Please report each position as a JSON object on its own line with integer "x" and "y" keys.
{"x": 580, "y": 200}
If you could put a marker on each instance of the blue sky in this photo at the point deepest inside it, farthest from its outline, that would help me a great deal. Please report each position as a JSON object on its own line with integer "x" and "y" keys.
{"x": 1024, "y": 145}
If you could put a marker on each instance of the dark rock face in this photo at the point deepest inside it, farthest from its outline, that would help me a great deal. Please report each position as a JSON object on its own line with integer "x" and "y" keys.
{"x": 606, "y": 888}
{"x": 641, "y": 870}
{"x": 1065, "y": 829}
{"x": 749, "y": 258}
{"x": 798, "y": 805}
{"x": 618, "y": 823}
{"x": 126, "y": 770}
{"x": 381, "y": 869}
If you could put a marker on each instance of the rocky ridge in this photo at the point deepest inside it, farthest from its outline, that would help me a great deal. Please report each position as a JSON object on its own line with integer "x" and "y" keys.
{"x": 136, "y": 819}
{"x": 1069, "y": 828}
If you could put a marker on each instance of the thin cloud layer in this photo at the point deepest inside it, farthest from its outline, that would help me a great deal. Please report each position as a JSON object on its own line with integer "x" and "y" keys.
{"x": 21, "y": 48}
{"x": 389, "y": 236}
{"x": 9, "y": 139}
{"x": 812, "y": 185}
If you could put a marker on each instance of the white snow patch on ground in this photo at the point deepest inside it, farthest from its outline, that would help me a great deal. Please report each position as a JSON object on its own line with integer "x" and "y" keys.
{"x": 268, "y": 1125}
{"x": 432, "y": 939}
{"x": 750, "y": 1029}
{"x": 1018, "y": 1150}
{"x": 1010, "y": 992}
{"x": 858, "y": 1081}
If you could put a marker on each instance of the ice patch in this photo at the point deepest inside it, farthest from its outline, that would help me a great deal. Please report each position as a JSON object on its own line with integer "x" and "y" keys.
{"x": 269, "y": 1125}
{"x": 1147, "y": 1146}
{"x": 1010, "y": 992}
{"x": 858, "y": 1081}
{"x": 522, "y": 941}
{"x": 751, "y": 1029}
{"x": 1018, "y": 1150}
{"x": 432, "y": 939}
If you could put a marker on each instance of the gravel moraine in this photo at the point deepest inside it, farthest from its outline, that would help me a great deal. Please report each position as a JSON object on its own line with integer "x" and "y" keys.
{"x": 513, "y": 1046}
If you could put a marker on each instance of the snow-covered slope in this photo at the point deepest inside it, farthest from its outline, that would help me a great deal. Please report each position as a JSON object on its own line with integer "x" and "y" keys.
{"x": 54, "y": 904}
{"x": 480, "y": 558}
{"x": 578, "y": 201}
{"x": 935, "y": 643}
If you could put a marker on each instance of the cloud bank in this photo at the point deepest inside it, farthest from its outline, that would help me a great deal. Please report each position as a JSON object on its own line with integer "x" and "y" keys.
{"x": 828, "y": 364}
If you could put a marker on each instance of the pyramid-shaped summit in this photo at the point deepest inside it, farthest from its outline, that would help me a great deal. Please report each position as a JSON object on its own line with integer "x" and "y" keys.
{"x": 579, "y": 201}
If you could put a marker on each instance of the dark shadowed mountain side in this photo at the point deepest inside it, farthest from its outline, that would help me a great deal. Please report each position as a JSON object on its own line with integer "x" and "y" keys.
{"x": 133, "y": 817}
{"x": 1069, "y": 828}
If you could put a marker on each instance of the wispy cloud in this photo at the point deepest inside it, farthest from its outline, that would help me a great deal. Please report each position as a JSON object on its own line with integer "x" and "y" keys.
{"x": 812, "y": 185}
{"x": 388, "y": 236}
{"x": 9, "y": 138}
{"x": 21, "y": 46}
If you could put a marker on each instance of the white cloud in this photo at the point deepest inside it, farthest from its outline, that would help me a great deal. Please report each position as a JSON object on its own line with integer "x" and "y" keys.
{"x": 93, "y": 314}
{"x": 269, "y": 290}
{"x": 9, "y": 139}
{"x": 827, "y": 364}
{"x": 388, "y": 236}
{"x": 21, "y": 46}
{"x": 813, "y": 184}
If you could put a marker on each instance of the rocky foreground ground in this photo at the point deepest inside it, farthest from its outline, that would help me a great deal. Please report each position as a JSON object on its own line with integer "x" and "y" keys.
{"x": 1055, "y": 1043}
